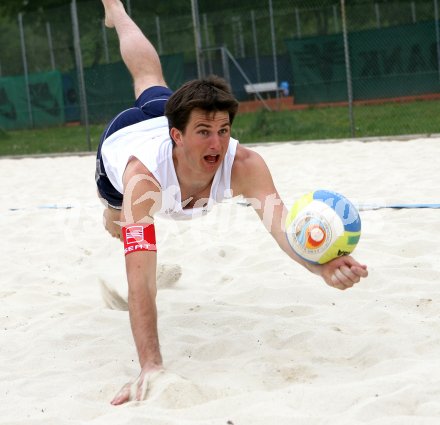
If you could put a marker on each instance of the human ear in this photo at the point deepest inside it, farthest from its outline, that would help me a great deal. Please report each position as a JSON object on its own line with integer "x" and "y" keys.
{"x": 176, "y": 135}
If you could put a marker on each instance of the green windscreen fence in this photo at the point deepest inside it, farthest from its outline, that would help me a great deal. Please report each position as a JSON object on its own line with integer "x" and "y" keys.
{"x": 385, "y": 63}
{"x": 54, "y": 98}
{"x": 109, "y": 88}
{"x": 41, "y": 106}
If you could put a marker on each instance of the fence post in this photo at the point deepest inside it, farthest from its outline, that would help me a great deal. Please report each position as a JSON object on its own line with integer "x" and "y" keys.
{"x": 197, "y": 38}
{"x": 298, "y": 23}
{"x": 207, "y": 42}
{"x": 377, "y": 12}
{"x": 413, "y": 12}
{"x": 105, "y": 41}
{"x": 25, "y": 68}
{"x": 79, "y": 66}
{"x": 335, "y": 17}
{"x": 49, "y": 41}
{"x": 159, "y": 36}
{"x": 225, "y": 65}
{"x": 255, "y": 40}
{"x": 348, "y": 69}
{"x": 437, "y": 35}
{"x": 237, "y": 31}
{"x": 274, "y": 51}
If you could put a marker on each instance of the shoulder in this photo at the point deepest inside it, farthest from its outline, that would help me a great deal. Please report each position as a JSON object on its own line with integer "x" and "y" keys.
{"x": 249, "y": 170}
{"x": 135, "y": 166}
{"x": 246, "y": 159}
{"x": 142, "y": 195}
{"x": 136, "y": 172}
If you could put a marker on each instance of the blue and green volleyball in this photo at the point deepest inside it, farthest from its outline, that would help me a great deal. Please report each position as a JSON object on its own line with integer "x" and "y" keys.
{"x": 323, "y": 225}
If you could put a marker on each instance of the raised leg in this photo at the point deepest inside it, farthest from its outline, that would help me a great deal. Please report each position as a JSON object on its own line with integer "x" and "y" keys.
{"x": 138, "y": 54}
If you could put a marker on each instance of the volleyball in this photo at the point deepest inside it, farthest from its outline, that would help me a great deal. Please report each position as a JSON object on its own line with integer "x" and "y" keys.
{"x": 323, "y": 225}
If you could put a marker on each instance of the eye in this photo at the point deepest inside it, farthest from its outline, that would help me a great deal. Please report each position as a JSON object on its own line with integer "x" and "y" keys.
{"x": 224, "y": 131}
{"x": 203, "y": 132}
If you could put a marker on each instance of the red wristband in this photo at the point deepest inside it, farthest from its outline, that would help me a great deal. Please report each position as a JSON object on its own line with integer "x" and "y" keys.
{"x": 139, "y": 237}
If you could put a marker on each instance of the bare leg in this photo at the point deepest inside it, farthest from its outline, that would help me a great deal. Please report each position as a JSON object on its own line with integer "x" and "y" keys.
{"x": 138, "y": 54}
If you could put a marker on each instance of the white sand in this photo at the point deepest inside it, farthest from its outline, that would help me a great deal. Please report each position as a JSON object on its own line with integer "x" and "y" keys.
{"x": 247, "y": 335}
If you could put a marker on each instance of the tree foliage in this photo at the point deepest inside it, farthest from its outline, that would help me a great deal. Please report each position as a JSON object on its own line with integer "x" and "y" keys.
{"x": 12, "y": 7}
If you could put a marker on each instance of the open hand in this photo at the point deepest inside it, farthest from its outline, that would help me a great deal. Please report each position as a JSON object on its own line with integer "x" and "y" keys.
{"x": 137, "y": 390}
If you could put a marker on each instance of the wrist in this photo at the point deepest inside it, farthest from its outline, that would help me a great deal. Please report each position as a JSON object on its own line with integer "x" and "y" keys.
{"x": 152, "y": 365}
{"x": 311, "y": 267}
{"x": 152, "y": 359}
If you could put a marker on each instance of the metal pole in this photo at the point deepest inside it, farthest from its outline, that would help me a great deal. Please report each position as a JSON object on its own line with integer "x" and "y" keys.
{"x": 298, "y": 23}
{"x": 437, "y": 35}
{"x": 159, "y": 37}
{"x": 79, "y": 66}
{"x": 256, "y": 53}
{"x": 237, "y": 31}
{"x": 128, "y": 8}
{"x": 274, "y": 51}
{"x": 49, "y": 40}
{"x": 25, "y": 69}
{"x": 377, "y": 11}
{"x": 240, "y": 37}
{"x": 105, "y": 42}
{"x": 225, "y": 65}
{"x": 413, "y": 12}
{"x": 348, "y": 69}
{"x": 335, "y": 17}
{"x": 207, "y": 42}
{"x": 197, "y": 38}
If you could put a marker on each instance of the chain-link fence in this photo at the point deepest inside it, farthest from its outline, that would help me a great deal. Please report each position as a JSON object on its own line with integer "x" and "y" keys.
{"x": 63, "y": 65}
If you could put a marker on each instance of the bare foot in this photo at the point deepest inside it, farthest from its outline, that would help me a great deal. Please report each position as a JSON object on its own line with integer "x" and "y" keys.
{"x": 111, "y": 8}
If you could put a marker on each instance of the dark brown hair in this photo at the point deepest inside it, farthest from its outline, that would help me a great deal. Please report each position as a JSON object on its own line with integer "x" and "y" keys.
{"x": 210, "y": 94}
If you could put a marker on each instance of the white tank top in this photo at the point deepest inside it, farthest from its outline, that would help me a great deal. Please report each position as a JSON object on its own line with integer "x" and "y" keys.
{"x": 150, "y": 143}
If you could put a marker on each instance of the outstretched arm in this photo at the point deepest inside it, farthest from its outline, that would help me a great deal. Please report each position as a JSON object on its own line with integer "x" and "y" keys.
{"x": 251, "y": 178}
{"x": 141, "y": 199}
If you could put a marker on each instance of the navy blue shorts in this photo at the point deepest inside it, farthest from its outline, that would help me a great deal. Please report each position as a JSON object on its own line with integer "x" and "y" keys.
{"x": 150, "y": 104}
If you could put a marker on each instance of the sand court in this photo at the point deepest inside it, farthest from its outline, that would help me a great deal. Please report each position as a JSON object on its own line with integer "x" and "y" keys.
{"x": 247, "y": 336}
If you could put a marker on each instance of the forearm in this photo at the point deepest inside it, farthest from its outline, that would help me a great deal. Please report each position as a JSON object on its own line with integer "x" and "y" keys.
{"x": 273, "y": 216}
{"x": 313, "y": 268}
{"x": 143, "y": 318}
{"x": 281, "y": 239}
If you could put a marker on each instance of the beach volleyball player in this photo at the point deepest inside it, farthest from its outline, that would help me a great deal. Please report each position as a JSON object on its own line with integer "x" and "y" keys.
{"x": 177, "y": 166}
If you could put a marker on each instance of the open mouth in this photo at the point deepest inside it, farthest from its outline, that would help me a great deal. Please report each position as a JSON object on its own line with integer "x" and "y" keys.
{"x": 211, "y": 159}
